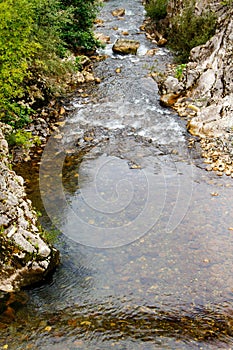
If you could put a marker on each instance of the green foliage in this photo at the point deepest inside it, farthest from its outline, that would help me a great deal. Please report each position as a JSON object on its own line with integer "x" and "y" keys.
{"x": 226, "y": 2}
{"x": 17, "y": 115}
{"x": 77, "y": 33}
{"x": 189, "y": 30}
{"x": 35, "y": 36}
{"x": 50, "y": 236}
{"x": 20, "y": 138}
{"x": 179, "y": 71}
{"x": 157, "y": 9}
{"x": 17, "y": 47}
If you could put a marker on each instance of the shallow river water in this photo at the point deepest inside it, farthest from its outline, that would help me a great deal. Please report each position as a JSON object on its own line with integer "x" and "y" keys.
{"x": 146, "y": 233}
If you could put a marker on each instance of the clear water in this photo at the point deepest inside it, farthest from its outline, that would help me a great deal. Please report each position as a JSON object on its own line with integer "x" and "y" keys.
{"x": 146, "y": 233}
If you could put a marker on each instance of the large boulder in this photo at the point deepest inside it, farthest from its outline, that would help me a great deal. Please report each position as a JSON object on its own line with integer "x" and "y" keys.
{"x": 126, "y": 46}
{"x": 25, "y": 257}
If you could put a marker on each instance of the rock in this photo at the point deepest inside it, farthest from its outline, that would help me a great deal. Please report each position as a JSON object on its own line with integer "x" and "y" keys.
{"x": 89, "y": 77}
{"x": 104, "y": 39}
{"x": 168, "y": 100}
{"x": 25, "y": 257}
{"x": 172, "y": 85}
{"x": 118, "y": 12}
{"x": 126, "y": 46}
{"x": 162, "y": 42}
{"x": 206, "y": 95}
{"x": 99, "y": 22}
{"x": 151, "y": 52}
{"x": 79, "y": 77}
{"x": 209, "y": 78}
{"x": 62, "y": 111}
{"x": 97, "y": 80}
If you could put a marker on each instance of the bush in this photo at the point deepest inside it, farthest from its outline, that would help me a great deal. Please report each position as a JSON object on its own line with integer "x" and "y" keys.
{"x": 189, "y": 30}
{"x": 20, "y": 138}
{"x": 17, "y": 47}
{"x": 77, "y": 33}
{"x": 17, "y": 115}
{"x": 34, "y": 37}
{"x": 157, "y": 9}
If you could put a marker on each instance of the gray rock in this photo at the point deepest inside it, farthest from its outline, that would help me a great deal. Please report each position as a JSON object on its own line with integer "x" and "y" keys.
{"x": 211, "y": 81}
{"x": 25, "y": 257}
{"x": 173, "y": 85}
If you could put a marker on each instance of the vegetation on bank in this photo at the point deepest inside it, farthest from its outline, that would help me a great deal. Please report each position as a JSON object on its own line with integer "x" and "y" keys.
{"x": 36, "y": 40}
{"x": 186, "y": 29}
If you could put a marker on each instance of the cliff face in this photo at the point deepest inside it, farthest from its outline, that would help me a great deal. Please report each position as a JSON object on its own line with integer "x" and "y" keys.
{"x": 25, "y": 258}
{"x": 208, "y": 77}
{"x": 204, "y": 94}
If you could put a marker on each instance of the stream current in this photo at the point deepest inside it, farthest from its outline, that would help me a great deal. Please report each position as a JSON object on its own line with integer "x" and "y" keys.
{"x": 146, "y": 234}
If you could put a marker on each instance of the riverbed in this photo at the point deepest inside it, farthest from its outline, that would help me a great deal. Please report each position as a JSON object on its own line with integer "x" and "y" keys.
{"x": 145, "y": 232}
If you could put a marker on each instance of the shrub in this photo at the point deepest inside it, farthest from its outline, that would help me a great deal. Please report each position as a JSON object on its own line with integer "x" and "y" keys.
{"x": 157, "y": 9}
{"x": 34, "y": 37}
{"x": 77, "y": 33}
{"x": 17, "y": 47}
{"x": 17, "y": 115}
{"x": 20, "y": 138}
{"x": 189, "y": 30}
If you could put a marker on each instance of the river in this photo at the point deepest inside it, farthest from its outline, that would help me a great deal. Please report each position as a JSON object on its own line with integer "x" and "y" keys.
{"x": 146, "y": 233}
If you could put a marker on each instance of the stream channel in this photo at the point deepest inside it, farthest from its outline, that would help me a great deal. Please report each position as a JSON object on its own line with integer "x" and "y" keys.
{"x": 146, "y": 233}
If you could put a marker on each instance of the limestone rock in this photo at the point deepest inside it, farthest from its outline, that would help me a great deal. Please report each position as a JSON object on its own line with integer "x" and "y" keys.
{"x": 171, "y": 85}
{"x": 126, "y": 46}
{"x": 209, "y": 78}
{"x": 25, "y": 258}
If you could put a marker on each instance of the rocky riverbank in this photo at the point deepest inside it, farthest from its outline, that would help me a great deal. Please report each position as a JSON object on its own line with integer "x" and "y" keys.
{"x": 25, "y": 257}
{"x": 203, "y": 92}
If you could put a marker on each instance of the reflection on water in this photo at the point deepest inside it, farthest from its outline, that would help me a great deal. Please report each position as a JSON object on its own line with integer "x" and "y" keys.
{"x": 149, "y": 265}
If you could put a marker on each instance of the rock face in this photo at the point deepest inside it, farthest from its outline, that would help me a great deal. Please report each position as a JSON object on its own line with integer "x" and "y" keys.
{"x": 126, "y": 46}
{"x": 25, "y": 258}
{"x": 204, "y": 93}
{"x": 208, "y": 77}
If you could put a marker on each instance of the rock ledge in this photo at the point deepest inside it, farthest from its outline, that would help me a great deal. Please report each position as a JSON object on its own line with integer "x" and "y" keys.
{"x": 25, "y": 257}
